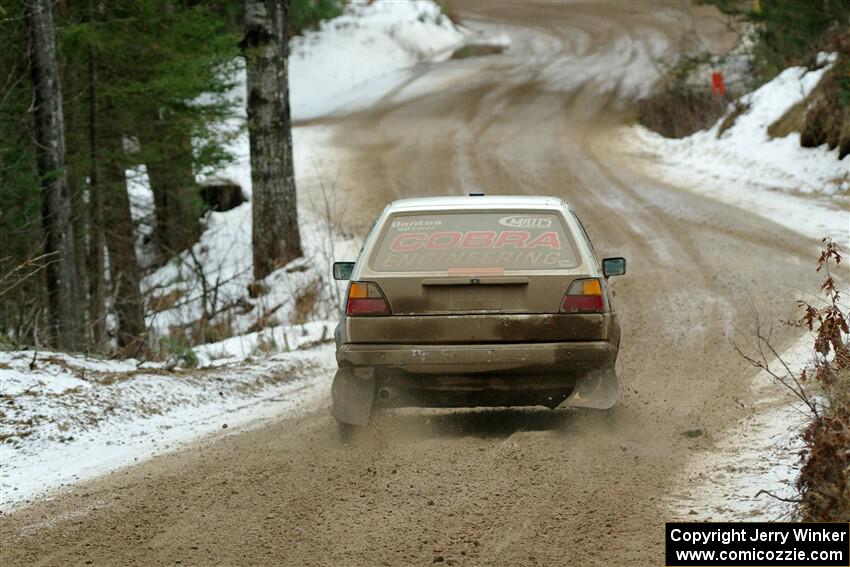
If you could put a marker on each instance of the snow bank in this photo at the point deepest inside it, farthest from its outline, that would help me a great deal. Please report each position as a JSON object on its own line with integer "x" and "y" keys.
{"x": 760, "y": 452}
{"x": 68, "y": 418}
{"x": 353, "y": 60}
{"x": 805, "y": 189}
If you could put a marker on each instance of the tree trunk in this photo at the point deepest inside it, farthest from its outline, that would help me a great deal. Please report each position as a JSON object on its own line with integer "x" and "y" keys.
{"x": 74, "y": 75}
{"x": 96, "y": 267}
{"x": 120, "y": 235}
{"x": 275, "y": 239}
{"x": 80, "y": 225}
{"x": 175, "y": 193}
{"x": 62, "y": 285}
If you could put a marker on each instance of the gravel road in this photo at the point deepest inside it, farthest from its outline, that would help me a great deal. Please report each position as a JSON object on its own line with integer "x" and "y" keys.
{"x": 495, "y": 487}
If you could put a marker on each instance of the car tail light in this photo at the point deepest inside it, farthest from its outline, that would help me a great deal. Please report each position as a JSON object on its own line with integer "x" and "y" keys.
{"x": 584, "y": 296}
{"x": 366, "y": 299}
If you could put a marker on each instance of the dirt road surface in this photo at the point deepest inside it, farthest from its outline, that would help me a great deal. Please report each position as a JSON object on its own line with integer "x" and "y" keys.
{"x": 495, "y": 487}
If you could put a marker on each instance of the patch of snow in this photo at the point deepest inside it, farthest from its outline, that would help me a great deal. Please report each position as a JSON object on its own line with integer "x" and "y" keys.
{"x": 352, "y": 60}
{"x": 216, "y": 272}
{"x": 761, "y": 452}
{"x": 496, "y": 39}
{"x": 826, "y": 58}
{"x": 71, "y": 418}
{"x": 141, "y": 198}
{"x": 804, "y": 189}
{"x": 236, "y": 349}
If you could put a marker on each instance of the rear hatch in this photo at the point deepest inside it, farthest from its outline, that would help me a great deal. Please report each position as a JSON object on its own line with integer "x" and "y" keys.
{"x": 475, "y": 276}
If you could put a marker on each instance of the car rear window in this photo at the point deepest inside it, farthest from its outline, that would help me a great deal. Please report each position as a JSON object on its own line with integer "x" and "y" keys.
{"x": 463, "y": 241}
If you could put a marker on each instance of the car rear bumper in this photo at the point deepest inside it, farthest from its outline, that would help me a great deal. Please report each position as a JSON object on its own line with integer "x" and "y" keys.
{"x": 579, "y": 374}
{"x": 464, "y": 329}
{"x": 522, "y": 358}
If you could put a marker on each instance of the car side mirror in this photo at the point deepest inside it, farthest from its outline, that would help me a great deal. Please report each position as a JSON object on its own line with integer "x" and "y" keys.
{"x": 342, "y": 270}
{"x": 613, "y": 267}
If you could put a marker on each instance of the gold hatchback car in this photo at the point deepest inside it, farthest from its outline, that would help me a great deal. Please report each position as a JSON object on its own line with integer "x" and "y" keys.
{"x": 475, "y": 301}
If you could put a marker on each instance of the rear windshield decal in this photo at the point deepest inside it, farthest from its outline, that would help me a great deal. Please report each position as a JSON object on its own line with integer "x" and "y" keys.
{"x": 469, "y": 241}
{"x": 474, "y": 239}
{"x": 526, "y": 222}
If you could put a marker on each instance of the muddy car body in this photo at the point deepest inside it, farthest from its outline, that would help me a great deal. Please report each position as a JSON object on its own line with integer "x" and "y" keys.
{"x": 476, "y": 301}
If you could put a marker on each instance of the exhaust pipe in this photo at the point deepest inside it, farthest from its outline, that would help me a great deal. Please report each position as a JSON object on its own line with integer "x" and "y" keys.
{"x": 384, "y": 394}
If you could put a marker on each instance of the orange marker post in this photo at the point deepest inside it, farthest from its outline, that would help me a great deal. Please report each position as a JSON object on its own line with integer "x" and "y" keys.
{"x": 718, "y": 86}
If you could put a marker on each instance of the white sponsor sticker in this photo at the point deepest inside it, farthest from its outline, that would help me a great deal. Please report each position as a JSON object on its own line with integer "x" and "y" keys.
{"x": 522, "y": 221}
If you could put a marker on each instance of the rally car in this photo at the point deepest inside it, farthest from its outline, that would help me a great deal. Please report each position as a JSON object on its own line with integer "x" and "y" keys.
{"x": 475, "y": 301}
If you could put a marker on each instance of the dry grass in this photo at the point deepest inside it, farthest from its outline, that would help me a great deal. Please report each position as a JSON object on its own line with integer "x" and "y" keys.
{"x": 305, "y": 304}
{"x": 204, "y": 331}
{"x": 790, "y": 122}
{"x": 732, "y": 117}
{"x": 824, "y": 391}
{"x": 161, "y": 302}
{"x": 266, "y": 319}
{"x": 257, "y": 289}
{"x": 477, "y": 50}
{"x": 824, "y": 116}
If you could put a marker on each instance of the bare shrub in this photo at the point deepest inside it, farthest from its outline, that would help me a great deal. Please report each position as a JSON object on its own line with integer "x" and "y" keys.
{"x": 332, "y": 206}
{"x": 680, "y": 110}
{"x": 790, "y": 122}
{"x": 738, "y": 109}
{"x": 161, "y": 301}
{"x": 825, "y": 476}
{"x": 824, "y": 389}
{"x": 305, "y": 303}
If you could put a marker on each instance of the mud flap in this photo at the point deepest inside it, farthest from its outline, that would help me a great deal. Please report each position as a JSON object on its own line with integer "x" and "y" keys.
{"x": 598, "y": 389}
{"x": 352, "y": 395}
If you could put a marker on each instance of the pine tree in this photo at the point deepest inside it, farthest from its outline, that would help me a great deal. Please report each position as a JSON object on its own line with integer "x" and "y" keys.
{"x": 149, "y": 62}
{"x": 144, "y": 83}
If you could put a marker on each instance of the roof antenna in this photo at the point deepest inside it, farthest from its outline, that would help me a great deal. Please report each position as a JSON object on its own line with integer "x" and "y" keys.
{"x": 476, "y": 194}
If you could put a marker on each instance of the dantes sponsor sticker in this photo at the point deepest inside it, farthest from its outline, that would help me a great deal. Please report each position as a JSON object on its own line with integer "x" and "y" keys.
{"x": 408, "y": 225}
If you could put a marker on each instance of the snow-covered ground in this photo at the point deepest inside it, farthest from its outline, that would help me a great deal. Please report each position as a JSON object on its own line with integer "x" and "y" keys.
{"x": 355, "y": 59}
{"x": 805, "y": 189}
{"x": 67, "y": 418}
{"x": 760, "y": 452}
